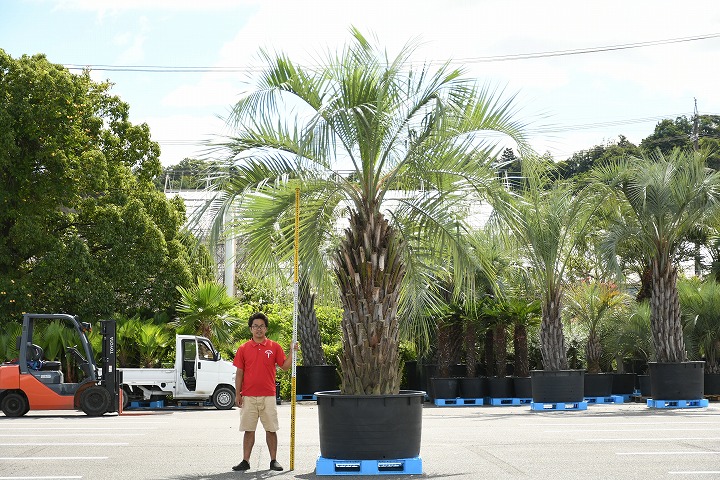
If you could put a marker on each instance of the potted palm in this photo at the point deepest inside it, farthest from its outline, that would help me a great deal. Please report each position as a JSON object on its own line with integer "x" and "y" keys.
{"x": 700, "y": 302}
{"x": 549, "y": 218}
{"x": 662, "y": 198}
{"x": 399, "y": 152}
{"x": 591, "y": 307}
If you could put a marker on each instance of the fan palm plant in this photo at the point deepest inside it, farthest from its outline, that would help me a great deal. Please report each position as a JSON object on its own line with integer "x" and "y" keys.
{"x": 548, "y": 219}
{"x": 665, "y": 197}
{"x": 206, "y": 309}
{"x": 415, "y": 144}
{"x": 701, "y": 304}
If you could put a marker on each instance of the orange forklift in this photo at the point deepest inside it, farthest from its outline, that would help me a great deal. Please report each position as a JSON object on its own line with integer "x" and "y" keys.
{"x": 33, "y": 383}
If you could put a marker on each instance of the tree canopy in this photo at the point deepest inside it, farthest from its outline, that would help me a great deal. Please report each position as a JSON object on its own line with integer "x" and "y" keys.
{"x": 83, "y": 230}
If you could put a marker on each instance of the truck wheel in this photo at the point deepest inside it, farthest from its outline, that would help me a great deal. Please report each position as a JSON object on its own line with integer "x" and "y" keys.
{"x": 95, "y": 401}
{"x": 224, "y": 398}
{"x": 14, "y": 404}
{"x": 126, "y": 396}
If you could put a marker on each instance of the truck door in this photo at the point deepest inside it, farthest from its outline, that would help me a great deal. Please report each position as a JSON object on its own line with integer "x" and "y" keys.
{"x": 207, "y": 367}
{"x": 189, "y": 364}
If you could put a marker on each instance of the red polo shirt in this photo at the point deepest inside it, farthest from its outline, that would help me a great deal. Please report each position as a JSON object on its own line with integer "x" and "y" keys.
{"x": 258, "y": 361}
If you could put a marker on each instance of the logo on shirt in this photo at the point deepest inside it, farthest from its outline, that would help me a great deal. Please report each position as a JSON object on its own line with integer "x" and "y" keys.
{"x": 268, "y": 353}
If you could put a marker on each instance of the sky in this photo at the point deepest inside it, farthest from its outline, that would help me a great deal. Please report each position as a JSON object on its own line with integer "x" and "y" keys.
{"x": 582, "y": 73}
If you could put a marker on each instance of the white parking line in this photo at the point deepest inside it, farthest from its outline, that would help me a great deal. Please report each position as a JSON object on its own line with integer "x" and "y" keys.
{"x": 64, "y": 444}
{"x": 72, "y": 428}
{"x": 53, "y": 458}
{"x": 638, "y": 430}
{"x": 36, "y": 478}
{"x": 699, "y": 452}
{"x": 74, "y": 435}
{"x": 695, "y": 472}
{"x": 620, "y": 440}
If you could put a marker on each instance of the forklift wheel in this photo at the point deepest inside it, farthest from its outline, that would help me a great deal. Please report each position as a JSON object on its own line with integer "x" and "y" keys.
{"x": 95, "y": 401}
{"x": 14, "y": 404}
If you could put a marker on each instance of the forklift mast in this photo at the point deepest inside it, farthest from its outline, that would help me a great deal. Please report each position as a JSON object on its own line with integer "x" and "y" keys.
{"x": 110, "y": 374}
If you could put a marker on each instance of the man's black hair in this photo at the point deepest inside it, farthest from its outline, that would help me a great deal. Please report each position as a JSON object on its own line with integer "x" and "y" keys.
{"x": 259, "y": 315}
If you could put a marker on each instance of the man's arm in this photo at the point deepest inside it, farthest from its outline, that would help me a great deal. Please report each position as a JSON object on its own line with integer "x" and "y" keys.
{"x": 239, "y": 373}
{"x": 288, "y": 360}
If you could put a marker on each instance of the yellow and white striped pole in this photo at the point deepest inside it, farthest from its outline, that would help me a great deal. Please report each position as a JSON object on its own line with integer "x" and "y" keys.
{"x": 293, "y": 386}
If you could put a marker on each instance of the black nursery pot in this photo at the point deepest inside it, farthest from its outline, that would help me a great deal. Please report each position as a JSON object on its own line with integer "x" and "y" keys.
{"x": 522, "y": 387}
{"x": 557, "y": 386}
{"x": 623, "y": 383}
{"x": 315, "y": 378}
{"x": 500, "y": 387}
{"x": 598, "y": 385}
{"x": 444, "y": 387}
{"x": 370, "y": 427}
{"x": 712, "y": 384}
{"x": 677, "y": 380}
{"x": 472, "y": 387}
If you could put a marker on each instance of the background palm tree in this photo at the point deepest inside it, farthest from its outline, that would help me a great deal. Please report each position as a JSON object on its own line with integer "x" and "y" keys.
{"x": 665, "y": 197}
{"x": 415, "y": 143}
{"x": 206, "y": 309}
{"x": 548, "y": 219}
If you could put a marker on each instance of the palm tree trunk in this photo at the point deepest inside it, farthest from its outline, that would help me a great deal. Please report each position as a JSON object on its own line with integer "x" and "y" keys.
{"x": 470, "y": 335}
{"x": 520, "y": 345}
{"x": 665, "y": 313}
{"x": 369, "y": 271}
{"x": 489, "y": 354}
{"x": 593, "y": 352}
{"x": 308, "y": 328}
{"x": 552, "y": 340}
{"x": 500, "y": 348}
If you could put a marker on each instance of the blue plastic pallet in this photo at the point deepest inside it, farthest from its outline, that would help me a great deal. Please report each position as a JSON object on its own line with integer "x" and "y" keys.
{"x": 508, "y": 401}
{"x": 401, "y": 466}
{"x": 609, "y": 399}
{"x": 558, "y": 406}
{"x": 300, "y": 398}
{"x": 677, "y": 403}
{"x": 457, "y": 402}
{"x": 155, "y": 404}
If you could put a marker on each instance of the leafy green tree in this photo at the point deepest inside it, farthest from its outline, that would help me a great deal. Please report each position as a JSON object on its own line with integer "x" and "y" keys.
{"x": 583, "y": 161}
{"x": 82, "y": 228}
{"x": 667, "y": 196}
{"x": 397, "y": 128}
{"x": 679, "y": 133}
{"x": 189, "y": 174}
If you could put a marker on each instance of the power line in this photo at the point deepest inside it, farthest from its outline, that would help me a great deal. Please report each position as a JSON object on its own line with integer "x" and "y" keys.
{"x": 488, "y": 59}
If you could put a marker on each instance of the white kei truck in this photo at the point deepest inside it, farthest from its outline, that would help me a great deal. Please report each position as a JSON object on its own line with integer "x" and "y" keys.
{"x": 199, "y": 375}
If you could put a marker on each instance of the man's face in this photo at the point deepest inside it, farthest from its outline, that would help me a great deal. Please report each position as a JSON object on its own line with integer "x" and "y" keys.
{"x": 258, "y": 329}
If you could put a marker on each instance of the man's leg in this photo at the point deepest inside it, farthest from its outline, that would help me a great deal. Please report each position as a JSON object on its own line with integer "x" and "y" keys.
{"x": 249, "y": 442}
{"x": 272, "y": 442}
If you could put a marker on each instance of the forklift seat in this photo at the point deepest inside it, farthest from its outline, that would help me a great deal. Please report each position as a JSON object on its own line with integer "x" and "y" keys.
{"x": 35, "y": 360}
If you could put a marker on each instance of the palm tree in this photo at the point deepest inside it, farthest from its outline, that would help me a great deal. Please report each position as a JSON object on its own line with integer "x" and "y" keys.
{"x": 415, "y": 143}
{"x": 666, "y": 196}
{"x": 548, "y": 219}
{"x": 206, "y": 309}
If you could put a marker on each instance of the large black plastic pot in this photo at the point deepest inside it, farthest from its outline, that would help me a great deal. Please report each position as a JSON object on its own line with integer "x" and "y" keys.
{"x": 444, "y": 388}
{"x": 677, "y": 380}
{"x": 472, "y": 387}
{"x": 623, "y": 383}
{"x": 644, "y": 385}
{"x": 598, "y": 385}
{"x": 500, "y": 387}
{"x": 315, "y": 378}
{"x": 557, "y": 386}
{"x": 522, "y": 387}
{"x": 370, "y": 427}
{"x": 411, "y": 376}
{"x": 712, "y": 384}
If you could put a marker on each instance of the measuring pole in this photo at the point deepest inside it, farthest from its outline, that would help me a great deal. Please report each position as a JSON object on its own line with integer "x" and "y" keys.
{"x": 293, "y": 352}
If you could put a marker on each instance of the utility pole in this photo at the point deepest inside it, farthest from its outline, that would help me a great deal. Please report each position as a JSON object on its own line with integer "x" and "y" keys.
{"x": 696, "y": 146}
{"x": 696, "y": 126}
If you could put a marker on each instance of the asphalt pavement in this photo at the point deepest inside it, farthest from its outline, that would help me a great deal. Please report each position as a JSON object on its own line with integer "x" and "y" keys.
{"x": 606, "y": 441}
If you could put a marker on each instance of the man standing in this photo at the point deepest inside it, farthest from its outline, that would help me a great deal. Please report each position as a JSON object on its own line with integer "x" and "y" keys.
{"x": 255, "y": 386}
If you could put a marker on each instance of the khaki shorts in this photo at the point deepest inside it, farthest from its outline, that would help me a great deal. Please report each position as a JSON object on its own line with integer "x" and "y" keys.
{"x": 263, "y": 408}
